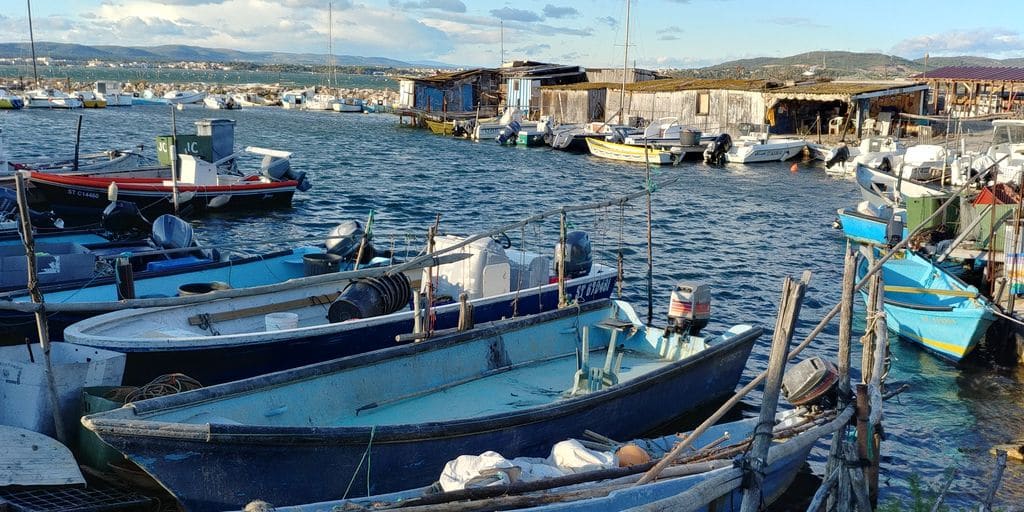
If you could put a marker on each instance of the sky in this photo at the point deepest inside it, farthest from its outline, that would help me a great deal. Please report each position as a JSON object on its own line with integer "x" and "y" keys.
{"x": 663, "y": 33}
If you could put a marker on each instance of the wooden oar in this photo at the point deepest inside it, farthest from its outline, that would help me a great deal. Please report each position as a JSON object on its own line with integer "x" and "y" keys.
{"x": 931, "y": 291}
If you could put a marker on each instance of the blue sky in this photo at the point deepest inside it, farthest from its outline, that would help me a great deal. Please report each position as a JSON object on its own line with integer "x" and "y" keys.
{"x": 663, "y": 33}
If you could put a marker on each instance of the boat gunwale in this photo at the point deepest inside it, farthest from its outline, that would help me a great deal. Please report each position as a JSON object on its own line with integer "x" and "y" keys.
{"x": 127, "y": 421}
{"x": 101, "y": 183}
{"x": 257, "y": 338}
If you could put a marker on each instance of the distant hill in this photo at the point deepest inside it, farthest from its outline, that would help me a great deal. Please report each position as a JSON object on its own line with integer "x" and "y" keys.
{"x": 174, "y": 53}
{"x": 836, "y": 64}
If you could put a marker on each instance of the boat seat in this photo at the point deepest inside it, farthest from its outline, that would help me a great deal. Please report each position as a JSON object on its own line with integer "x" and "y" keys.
{"x": 614, "y": 324}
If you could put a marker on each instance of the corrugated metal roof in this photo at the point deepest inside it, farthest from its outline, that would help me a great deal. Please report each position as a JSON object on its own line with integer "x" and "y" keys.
{"x": 974, "y": 73}
{"x": 844, "y": 88}
{"x": 448, "y": 77}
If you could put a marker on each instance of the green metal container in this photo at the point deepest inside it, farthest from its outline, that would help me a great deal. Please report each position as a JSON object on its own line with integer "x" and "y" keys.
{"x": 1003, "y": 213}
{"x": 920, "y": 208}
{"x": 196, "y": 145}
{"x": 91, "y": 451}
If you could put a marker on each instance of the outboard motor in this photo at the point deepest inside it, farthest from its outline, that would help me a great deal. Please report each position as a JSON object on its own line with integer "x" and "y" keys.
{"x": 123, "y": 220}
{"x": 42, "y": 221}
{"x": 578, "y": 254}
{"x": 811, "y": 382}
{"x": 281, "y": 169}
{"x": 689, "y": 309}
{"x": 841, "y": 156}
{"x": 714, "y": 154}
{"x": 170, "y": 232}
{"x": 370, "y": 297}
{"x": 508, "y": 133}
{"x": 344, "y": 240}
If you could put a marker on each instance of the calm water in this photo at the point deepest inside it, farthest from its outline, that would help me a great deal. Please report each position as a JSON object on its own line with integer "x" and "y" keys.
{"x": 740, "y": 229}
{"x": 157, "y": 75}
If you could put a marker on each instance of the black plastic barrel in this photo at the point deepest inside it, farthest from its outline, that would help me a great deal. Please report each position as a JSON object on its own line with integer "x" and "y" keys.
{"x": 320, "y": 263}
{"x": 370, "y": 297}
{"x": 201, "y": 288}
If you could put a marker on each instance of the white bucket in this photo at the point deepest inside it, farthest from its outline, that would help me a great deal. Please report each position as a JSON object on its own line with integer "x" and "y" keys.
{"x": 281, "y": 321}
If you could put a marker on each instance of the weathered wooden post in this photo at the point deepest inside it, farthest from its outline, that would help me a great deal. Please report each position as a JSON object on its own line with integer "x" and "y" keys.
{"x": 789, "y": 311}
{"x": 835, "y": 459}
{"x": 124, "y": 278}
{"x": 25, "y": 221}
{"x": 560, "y": 260}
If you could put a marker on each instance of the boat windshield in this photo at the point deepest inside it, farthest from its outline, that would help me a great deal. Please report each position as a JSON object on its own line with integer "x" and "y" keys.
{"x": 1008, "y": 134}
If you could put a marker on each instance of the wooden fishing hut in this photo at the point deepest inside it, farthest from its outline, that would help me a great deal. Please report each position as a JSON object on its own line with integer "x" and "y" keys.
{"x": 523, "y": 81}
{"x": 728, "y": 104}
{"x": 454, "y": 93}
{"x": 969, "y": 91}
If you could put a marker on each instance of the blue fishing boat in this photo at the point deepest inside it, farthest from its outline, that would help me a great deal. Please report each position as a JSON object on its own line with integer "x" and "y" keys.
{"x": 235, "y": 338}
{"x": 873, "y": 224}
{"x": 386, "y": 420}
{"x": 929, "y": 306}
{"x": 613, "y": 489}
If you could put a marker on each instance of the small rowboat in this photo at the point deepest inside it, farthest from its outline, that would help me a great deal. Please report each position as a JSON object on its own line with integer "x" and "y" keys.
{"x": 629, "y": 153}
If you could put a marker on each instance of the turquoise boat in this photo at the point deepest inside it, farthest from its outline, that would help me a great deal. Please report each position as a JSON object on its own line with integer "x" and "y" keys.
{"x": 872, "y": 224}
{"x": 929, "y": 306}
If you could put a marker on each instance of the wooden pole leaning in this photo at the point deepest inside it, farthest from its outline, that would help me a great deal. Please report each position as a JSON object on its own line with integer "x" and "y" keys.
{"x": 789, "y": 312}
{"x": 25, "y": 222}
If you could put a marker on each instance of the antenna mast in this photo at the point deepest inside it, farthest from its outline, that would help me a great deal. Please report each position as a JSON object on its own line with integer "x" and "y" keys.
{"x": 625, "y": 65}
{"x": 32, "y": 42}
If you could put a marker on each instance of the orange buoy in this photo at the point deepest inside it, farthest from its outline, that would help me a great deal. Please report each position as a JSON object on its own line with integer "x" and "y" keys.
{"x": 631, "y": 455}
{"x": 793, "y": 168}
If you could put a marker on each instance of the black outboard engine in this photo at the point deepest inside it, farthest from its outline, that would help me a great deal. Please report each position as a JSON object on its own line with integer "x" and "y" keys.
{"x": 689, "y": 309}
{"x": 714, "y": 154}
{"x": 41, "y": 221}
{"x": 370, "y": 297}
{"x": 345, "y": 238}
{"x": 123, "y": 220}
{"x": 281, "y": 169}
{"x": 841, "y": 157}
{"x": 578, "y": 254}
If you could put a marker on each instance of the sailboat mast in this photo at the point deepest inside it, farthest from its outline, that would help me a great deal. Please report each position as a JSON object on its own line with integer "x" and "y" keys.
{"x": 330, "y": 44}
{"x": 32, "y": 43}
{"x": 625, "y": 64}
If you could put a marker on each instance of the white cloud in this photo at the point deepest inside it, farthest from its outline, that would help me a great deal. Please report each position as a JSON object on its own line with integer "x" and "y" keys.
{"x": 993, "y": 42}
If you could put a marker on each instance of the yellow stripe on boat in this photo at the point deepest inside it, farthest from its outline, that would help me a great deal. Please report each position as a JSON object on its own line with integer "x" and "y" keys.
{"x": 936, "y": 344}
{"x": 628, "y": 152}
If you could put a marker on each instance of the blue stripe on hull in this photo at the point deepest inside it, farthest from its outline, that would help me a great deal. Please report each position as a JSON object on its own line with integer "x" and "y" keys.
{"x": 286, "y": 469}
{"x": 218, "y": 365}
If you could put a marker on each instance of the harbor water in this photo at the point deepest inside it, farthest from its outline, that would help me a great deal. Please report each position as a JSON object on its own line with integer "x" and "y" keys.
{"x": 741, "y": 229}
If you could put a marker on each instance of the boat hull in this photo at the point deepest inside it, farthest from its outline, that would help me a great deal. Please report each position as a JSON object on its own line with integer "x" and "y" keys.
{"x": 439, "y": 127}
{"x": 74, "y": 196}
{"x": 948, "y": 326}
{"x": 286, "y": 465}
{"x": 253, "y": 271}
{"x": 627, "y": 153}
{"x": 11, "y": 103}
{"x": 767, "y": 153}
{"x": 864, "y": 228}
{"x": 214, "y": 363}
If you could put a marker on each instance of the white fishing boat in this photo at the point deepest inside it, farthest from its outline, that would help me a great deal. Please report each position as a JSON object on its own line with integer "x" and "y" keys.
{"x": 249, "y": 99}
{"x": 761, "y": 147}
{"x": 296, "y": 98}
{"x": 147, "y": 97}
{"x": 112, "y": 93}
{"x": 321, "y": 101}
{"x": 90, "y": 100}
{"x": 348, "y": 105}
{"x": 184, "y": 97}
{"x": 1006, "y": 152}
{"x": 220, "y": 102}
{"x": 871, "y": 151}
{"x": 51, "y": 98}
{"x": 668, "y": 132}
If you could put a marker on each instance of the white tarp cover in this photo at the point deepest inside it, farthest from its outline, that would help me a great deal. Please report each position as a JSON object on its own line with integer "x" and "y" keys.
{"x": 490, "y": 468}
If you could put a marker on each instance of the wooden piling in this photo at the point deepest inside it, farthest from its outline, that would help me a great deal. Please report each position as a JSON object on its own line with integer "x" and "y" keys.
{"x": 845, "y": 336}
{"x": 711, "y": 420}
{"x": 789, "y": 311}
{"x": 25, "y": 221}
{"x": 465, "y": 312}
{"x": 560, "y": 260}
{"x": 124, "y": 278}
{"x": 997, "y": 477}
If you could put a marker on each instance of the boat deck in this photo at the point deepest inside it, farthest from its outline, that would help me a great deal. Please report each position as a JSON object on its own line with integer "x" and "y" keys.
{"x": 529, "y": 386}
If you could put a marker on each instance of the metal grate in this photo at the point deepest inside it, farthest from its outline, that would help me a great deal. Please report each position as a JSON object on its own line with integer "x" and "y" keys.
{"x": 96, "y": 498}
